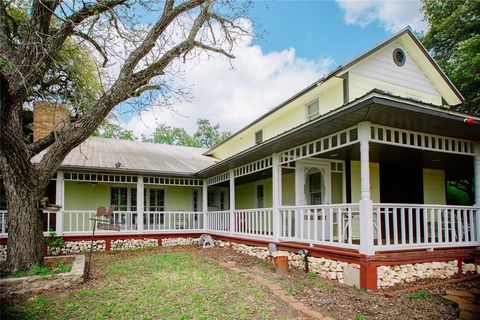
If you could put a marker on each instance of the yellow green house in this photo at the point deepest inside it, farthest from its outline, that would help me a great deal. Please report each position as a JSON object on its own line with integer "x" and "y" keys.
{"x": 361, "y": 161}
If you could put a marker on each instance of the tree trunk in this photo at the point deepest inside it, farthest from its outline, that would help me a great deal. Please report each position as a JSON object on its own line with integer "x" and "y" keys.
{"x": 25, "y": 234}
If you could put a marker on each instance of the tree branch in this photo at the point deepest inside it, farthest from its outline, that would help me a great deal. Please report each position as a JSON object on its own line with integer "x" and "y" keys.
{"x": 94, "y": 43}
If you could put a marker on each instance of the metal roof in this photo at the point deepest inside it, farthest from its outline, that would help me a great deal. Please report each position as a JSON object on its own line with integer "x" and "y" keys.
{"x": 113, "y": 155}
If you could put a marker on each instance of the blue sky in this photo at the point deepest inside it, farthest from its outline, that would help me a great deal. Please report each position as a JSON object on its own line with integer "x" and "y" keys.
{"x": 313, "y": 28}
{"x": 300, "y": 42}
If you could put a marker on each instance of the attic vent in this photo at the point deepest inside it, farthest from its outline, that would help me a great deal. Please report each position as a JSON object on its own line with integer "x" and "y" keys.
{"x": 399, "y": 57}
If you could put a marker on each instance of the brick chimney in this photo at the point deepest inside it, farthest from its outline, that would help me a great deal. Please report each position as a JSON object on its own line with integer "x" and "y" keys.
{"x": 48, "y": 117}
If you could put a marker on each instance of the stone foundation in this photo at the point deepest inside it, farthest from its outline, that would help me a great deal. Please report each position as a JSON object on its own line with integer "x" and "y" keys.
{"x": 76, "y": 247}
{"x": 325, "y": 268}
{"x": 391, "y": 275}
{"x": 131, "y": 244}
{"x": 3, "y": 252}
{"x": 36, "y": 284}
{"x": 170, "y": 242}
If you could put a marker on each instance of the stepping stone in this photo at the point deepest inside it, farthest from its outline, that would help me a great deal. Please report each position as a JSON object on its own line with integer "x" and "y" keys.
{"x": 463, "y": 294}
{"x": 457, "y": 300}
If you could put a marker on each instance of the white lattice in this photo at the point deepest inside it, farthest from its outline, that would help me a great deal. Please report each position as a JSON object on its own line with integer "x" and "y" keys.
{"x": 252, "y": 167}
{"x": 218, "y": 178}
{"x": 328, "y": 143}
{"x": 420, "y": 140}
{"x": 173, "y": 181}
{"x": 99, "y": 177}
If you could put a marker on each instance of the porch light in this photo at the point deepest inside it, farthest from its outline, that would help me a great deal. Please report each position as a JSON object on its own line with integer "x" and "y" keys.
{"x": 334, "y": 155}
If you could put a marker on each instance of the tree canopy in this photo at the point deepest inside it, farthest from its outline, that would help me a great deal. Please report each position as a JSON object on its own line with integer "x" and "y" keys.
{"x": 454, "y": 40}
{"x": 206, "y": 135}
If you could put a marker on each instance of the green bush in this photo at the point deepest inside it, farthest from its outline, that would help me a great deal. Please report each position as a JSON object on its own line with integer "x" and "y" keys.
{"x": 53, "y": 241}
{"x": 419, "y": 295}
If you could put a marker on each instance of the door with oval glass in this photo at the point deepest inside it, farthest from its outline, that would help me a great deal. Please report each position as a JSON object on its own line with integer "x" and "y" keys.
{"x": 313, "y": 188}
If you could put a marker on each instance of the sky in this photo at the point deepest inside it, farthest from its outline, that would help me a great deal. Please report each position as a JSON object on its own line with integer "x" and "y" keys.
{"x": 298, "y": 42}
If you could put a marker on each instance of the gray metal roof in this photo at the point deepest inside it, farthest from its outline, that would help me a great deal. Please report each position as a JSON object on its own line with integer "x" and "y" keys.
{"x": 139, "y": 157}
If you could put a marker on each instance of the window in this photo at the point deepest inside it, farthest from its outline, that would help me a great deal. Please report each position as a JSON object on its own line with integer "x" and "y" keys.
{"x": 118, "y": 197}
{"x": 133, "y": 199}
{"x": 313, "y": 110}
{"x": 211, "y": 199}
{"x": 155, "y": 199}
{"x": 260, "y": 196}
{"x": 259, "y": 137}
{"x": 222, "y": 200}
{"x": 195, "y": 200}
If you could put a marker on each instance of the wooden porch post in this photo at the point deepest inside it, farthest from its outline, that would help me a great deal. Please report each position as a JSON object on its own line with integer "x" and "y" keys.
{"x": 276, "y": 196}
{"x": 60, "y": 201}
{"x": 205, "y": 203}
{"x": 232, "y": 201}
{"x": 140, "y": 208}
{"x": 366, "y": 205}
{"x": 476, "y": 167}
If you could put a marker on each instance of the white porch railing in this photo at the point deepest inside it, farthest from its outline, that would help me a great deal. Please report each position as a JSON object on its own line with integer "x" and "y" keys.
{"x": 48, "y": 222}
{"x": 76, "y": 221}
{"x": 331, "y": 225}
{"x": 254, "y": 222}
{"x": 172, "y": 221}
{"x": 395, "y": 226}
{"x": 403, "y": 226}
{"x": 218, "y": 221}
{"x": 3, "y": 222}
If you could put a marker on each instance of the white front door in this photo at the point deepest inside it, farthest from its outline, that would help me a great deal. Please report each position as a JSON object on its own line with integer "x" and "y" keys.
{"x": 312, "y": 185}
{"x": 312, "y": 182}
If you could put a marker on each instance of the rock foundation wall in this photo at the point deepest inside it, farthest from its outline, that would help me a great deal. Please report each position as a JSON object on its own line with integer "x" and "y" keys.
{"x": 391, "y": 275}
{"x": 325, "y": 268}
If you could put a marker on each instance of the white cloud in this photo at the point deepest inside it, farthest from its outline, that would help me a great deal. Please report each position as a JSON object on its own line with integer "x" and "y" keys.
{"x": 234, "y": 97}
{"x": 393, "y": 15}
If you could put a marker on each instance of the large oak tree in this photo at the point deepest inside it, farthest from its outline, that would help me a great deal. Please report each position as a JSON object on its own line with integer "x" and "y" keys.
{"x": 30, "y": 47}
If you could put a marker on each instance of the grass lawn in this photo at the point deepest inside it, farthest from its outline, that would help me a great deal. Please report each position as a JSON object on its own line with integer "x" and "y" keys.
{"x": 154, "y": 285}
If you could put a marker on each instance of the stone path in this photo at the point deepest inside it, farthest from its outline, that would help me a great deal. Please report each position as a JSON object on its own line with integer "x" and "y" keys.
{"x": 277, "y": 291}
{"x": 467, "y": 303}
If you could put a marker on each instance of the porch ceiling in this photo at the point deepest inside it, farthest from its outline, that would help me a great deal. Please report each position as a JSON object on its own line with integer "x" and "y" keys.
{"x": 456, "y": 166}
{"x": 379, "y": 108}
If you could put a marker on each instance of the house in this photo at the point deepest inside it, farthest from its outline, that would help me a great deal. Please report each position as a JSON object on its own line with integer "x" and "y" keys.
{"x": 353, "y": 168}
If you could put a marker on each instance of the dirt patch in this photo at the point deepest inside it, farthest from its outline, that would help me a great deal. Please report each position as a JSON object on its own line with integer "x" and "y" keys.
{"x": 344, "y": 302}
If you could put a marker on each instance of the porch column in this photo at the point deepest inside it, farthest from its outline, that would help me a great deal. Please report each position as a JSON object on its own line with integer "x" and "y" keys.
{"x": 366, "y": 205}
{"x": 276, "y": 196}
{"x": 140, "y": 208}
{"x": 205, "y": 203}
{"x": 59, "y": 201}
{"x": 476, "y": 167}
{"x": 232, "y": 201}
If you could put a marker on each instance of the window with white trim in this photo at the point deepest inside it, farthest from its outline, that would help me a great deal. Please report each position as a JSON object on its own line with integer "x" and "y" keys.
{"x": 125, "y": 198}
{"x": 154, "y": 199}
{"x": 313, "y": 110}
{"x": 195, "y": 202}
{"x": 259, "y": 137}
{"x": 260, "y": 196}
